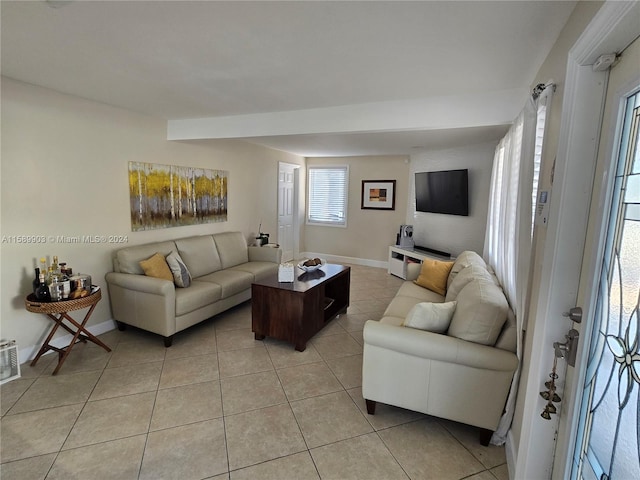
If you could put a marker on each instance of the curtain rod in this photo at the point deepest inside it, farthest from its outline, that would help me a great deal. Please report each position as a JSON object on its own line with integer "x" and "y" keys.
{"x": 539, "y": 88}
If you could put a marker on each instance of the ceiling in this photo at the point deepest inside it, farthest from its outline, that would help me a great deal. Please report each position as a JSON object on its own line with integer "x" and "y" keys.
{"x": 313, "y": 78}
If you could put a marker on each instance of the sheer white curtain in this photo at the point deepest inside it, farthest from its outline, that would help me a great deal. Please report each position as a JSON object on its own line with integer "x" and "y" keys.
{"x": 507, "y": 245}
{"x": 514, "y": 186}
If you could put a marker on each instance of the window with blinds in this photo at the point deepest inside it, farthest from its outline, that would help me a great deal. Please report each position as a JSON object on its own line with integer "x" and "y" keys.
{"x": 541, "y": 122}
{"x": 327, "y": 195}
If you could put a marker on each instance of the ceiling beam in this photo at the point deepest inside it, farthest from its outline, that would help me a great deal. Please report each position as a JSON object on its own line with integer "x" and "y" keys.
{"x": 462, "y": 111}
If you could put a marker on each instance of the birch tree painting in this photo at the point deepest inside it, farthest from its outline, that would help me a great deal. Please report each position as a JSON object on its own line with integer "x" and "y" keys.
{"x": 164, "y": 196}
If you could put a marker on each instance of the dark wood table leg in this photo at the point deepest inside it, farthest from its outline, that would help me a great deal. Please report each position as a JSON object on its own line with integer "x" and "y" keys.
{"x": 79, "y": 334}
{"x": 259, "y": 336}
{"x": 84, "y": 333}
{"x": 80, "y": 328}
{"x": 301, "y": 347}
{"x": 45, "y": 345}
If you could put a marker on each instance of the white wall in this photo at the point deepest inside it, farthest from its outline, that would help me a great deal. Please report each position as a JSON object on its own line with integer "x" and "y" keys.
{"x": 65, "y": 172}
{"x": 369, "y": 232}
{"x": 453, "y": 233}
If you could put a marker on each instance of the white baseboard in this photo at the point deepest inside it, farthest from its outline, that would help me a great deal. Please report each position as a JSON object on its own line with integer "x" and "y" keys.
{"x": 352, "y": 260}
{"x": 511, "y": 453}
{"x": 27, "y": 353}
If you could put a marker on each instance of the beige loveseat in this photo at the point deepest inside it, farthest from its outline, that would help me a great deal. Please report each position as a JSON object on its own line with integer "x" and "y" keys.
{"x": 221, "y": 268}
{"x": 463, "y": 372}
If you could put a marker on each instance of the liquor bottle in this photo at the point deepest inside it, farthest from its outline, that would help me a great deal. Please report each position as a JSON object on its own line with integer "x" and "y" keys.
{"x": 55, "y": 269}
{"x": 43, "y": 265}
{"x": 42, "y": 292}
{"x": 64, "y": 278}
{"x": 36, "y": 281}
{"x": 50, "y": 277}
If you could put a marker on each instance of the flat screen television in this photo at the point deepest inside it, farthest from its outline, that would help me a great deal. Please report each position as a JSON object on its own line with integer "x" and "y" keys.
{"x": 444, "y": 192}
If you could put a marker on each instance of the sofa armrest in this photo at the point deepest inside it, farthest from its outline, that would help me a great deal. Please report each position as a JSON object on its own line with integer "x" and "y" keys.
{"x": 265, "y": 254}
{"x": 439, "y": 347}
{"x": 413, "y": 271}
{"x": 141, "y": 283}
{"x": 144, "y": 302}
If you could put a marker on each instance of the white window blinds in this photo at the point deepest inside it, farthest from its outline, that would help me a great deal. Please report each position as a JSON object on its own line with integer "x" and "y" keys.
{"x": 327, "y": 200}
{"x": 541, "y": 122}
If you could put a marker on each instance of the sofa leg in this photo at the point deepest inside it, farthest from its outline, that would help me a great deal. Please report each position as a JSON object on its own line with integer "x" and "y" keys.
{"x": 121, "y": 326}
{"x": 371, "y": 406}
{"x": 485, "y": 437}
{"x": 168, "y": 341}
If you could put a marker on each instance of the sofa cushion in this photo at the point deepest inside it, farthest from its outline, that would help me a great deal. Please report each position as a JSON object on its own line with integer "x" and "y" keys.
{"x": 402, "y": 304}
{"x": 231, "y": 281}
{"x": 434, "y": 274}
{"x": 397, "y": 321}
{"x": 508, "y": 338}
{"x": 128, "y": 259}
{"x": 466, "y": 275}
{"x": 156, "y": 266}
{"x": 198, "y": 295}
{"x": 259, "y": 270}
{"x": 232, "y": 248}
{"x": 410, "y": 289}
{"x": 433, "y": 317}
{"x": 480, "y": 313}
{"x": 464, "y": 260}
{"x": 181, "y": 275}
{"x": 199, "y": 255}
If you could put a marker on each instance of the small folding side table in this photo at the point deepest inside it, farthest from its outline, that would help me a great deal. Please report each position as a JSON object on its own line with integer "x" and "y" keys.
{"x": 59, "y": 312}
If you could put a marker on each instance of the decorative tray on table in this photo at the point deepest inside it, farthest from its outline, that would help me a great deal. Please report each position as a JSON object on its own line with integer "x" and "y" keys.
{"x": 34, "y": 305}
{"x": 312, "y": 265}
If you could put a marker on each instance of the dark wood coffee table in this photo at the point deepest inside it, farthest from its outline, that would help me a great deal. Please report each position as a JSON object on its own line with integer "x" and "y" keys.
{"x": 296, "y": 311}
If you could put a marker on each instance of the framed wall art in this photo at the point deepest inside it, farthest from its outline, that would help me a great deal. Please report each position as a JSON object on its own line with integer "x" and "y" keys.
{"x": 164, "y": 196}
{"x": 378, "y": 194}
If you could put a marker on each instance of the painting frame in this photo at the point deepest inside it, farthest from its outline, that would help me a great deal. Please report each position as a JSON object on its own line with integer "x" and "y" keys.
{"x": 378, "y": 195}
{"x": 163, "y": 196}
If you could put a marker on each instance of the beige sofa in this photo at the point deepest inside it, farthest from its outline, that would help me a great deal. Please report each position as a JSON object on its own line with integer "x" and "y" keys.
{"x": 462, "y": 373}
{"x": 221, "y": 266}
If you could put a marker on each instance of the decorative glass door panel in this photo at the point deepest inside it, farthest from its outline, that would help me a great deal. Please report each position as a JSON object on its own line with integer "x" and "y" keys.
{"x": 608, "y": 439}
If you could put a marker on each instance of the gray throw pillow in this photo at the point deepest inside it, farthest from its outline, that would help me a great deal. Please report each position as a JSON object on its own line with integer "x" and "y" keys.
{"x": 181, "y": 275}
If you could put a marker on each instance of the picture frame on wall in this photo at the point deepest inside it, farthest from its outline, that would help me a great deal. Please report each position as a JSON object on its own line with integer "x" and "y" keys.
{"x": 378, "y": 195}
{"x": 162, "y": 196}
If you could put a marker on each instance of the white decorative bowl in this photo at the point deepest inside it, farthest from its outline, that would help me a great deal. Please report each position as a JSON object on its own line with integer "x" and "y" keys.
{"x": 312, "y": 269}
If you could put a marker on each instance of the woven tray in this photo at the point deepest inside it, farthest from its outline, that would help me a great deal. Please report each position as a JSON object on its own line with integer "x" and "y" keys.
{"x": 35, "y": 306}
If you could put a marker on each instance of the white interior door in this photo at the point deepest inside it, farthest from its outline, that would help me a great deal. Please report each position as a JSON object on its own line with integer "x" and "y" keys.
{"x": 287, "y": 209}
{"x": 606, "y": 410}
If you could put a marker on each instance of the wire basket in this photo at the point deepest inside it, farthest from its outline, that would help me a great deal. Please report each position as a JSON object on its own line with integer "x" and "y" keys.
{"x": 9, "y": 365}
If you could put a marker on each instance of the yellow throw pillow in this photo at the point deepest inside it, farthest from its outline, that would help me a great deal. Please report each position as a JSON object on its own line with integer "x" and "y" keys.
{"x": 433, "y": 275}
{"x": 156, "y": 266}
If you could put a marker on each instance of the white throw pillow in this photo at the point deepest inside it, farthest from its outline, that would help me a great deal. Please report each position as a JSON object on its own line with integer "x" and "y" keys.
{"x": 466, "y": 275}
{"x": 480, "y": 314}
{"x": 433, "y": 317}
{"x": 464, "y": 260}
{"x": 181, "y": 275}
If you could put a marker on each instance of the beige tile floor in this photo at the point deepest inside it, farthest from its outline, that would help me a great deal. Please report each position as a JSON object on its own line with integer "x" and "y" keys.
{"x": 219, "y": 404}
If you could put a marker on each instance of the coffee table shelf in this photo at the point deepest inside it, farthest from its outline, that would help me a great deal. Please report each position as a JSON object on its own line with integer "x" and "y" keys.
{"x": 296, "y": 311}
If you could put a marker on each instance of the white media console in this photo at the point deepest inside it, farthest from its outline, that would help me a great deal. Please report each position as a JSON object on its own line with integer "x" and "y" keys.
{"x": 400, "y": 257}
